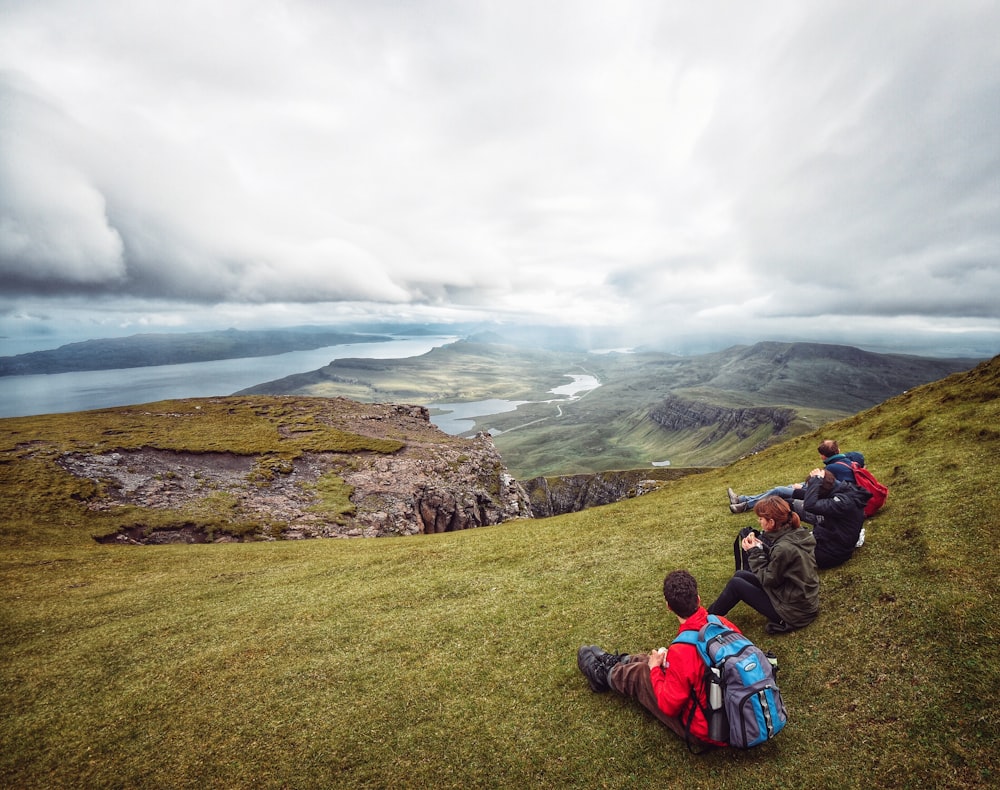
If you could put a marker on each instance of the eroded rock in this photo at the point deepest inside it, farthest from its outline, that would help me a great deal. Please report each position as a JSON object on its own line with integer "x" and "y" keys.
{"x": 435, "y": 483}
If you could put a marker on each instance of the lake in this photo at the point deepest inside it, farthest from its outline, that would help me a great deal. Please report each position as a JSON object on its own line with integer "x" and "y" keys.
{"x": 459, "y": 418}
{"x": 51, "y": 393}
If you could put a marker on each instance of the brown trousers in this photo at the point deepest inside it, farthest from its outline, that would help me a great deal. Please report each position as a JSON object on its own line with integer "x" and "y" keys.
{"x": 631, "y": 679}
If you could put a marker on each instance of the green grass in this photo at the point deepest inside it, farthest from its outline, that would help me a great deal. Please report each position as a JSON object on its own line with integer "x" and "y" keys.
{"x": 335, "y": 497}
{"x": 449, "y": 660}
{"x": 244, "y": 426}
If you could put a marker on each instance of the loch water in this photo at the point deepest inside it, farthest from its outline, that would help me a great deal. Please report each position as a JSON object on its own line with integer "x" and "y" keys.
{"x": 51, "y": 393}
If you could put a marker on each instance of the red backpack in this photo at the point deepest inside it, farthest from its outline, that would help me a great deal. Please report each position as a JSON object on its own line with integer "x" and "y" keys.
{"x": 867, "y": 481}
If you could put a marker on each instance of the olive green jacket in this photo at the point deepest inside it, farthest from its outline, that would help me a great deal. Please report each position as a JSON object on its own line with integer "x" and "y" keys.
{"x": 786, "y": 566}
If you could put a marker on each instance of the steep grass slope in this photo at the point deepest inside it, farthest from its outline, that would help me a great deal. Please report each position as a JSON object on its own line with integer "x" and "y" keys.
{"x": 449, "y": 660}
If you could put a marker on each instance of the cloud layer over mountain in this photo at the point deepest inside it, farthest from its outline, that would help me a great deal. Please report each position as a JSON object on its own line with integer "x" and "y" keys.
{"x": 828, "y": 169}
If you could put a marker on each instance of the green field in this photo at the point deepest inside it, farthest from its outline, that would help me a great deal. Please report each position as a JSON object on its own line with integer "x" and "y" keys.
{"x": 448, "y": 661}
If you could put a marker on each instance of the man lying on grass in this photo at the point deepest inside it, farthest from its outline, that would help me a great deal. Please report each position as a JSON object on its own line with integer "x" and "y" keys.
{"x": 661, "y": 680}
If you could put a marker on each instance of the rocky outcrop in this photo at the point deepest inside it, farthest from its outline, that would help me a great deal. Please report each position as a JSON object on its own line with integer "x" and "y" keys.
{"x": 435, "y": 489}
{"x": 433, "y": 483}
{"x": 403, "y": 477}
{"x": 679, "y": 414}
{"x": 552, "y": 496}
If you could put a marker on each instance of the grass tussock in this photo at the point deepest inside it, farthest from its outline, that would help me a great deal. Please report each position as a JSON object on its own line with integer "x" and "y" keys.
{"x": 449, "y": 660}
{"x": 334, "y": 497}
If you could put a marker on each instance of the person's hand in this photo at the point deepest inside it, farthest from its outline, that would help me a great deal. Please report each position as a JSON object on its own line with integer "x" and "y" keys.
{"x": 817, "y": 473}
{"x": 657, "y": 658}
{"x": 796, "y": 485}
{"x": 750, "y": 541}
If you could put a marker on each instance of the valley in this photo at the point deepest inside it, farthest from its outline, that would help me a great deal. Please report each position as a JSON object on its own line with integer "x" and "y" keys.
{"x": 699, "y": 411}
{"x": 559, "y": 410}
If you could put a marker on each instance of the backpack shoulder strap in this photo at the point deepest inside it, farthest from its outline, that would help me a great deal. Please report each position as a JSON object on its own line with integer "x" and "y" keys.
{"x": 688, "y": 738}
{"x": 697, "y": 640}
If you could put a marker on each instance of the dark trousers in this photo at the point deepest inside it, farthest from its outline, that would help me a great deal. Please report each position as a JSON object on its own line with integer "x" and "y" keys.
{"x": 631, "y": 679}
{"x": 745, "y": 587}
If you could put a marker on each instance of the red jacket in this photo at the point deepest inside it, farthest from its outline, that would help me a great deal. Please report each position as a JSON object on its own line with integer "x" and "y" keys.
{"x": 684, "y": 671}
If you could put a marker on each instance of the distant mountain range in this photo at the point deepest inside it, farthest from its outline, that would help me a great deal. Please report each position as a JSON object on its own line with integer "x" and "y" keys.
{"x": 136, "y": 351}
{"x": 704, "y": 410}
{"x": 651, "y": 407}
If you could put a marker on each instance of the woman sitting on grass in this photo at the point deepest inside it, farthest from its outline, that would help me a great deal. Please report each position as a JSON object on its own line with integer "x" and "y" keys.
{"x": 783, "y": 582}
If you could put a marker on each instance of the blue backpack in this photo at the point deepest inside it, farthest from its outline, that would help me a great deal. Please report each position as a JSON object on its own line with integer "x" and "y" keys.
{"x": 745, "y": 708}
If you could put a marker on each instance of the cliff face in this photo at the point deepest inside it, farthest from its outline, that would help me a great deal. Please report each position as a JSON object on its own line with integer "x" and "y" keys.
{"x": 433, "y": 483}
{"x": 680, "y": 414}
{"x": 423, "y": 490}
{"x": 551, "y": 496}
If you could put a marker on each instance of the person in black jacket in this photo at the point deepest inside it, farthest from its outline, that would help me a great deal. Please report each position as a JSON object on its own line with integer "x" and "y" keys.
{"x": 836, "y": 509}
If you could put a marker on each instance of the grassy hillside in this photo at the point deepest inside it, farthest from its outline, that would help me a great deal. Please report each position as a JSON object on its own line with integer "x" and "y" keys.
{"x": 449, "y": 660}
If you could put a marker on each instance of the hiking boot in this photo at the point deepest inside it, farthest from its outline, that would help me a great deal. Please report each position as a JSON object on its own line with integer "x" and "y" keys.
{"x": 596, "y": 665}
{"x": 733, "y": 499}
{"x": 739, "y": 507}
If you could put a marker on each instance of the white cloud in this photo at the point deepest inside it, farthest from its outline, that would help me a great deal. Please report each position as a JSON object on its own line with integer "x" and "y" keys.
{"x": 702, "y": 168}
{"x": 53, "y": 220}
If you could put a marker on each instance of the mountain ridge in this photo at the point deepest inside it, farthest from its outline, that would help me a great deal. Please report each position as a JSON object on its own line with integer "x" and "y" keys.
{"x": 150, "y": 349}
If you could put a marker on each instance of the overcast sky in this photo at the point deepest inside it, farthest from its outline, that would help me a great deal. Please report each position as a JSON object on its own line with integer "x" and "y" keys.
{"x": 735, "y": 170}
